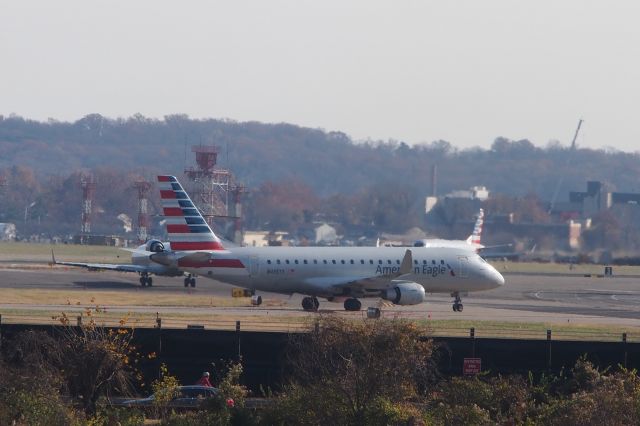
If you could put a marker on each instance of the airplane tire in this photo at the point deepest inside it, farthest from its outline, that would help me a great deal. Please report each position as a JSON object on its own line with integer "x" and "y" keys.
{"x": 308, "y": 305}
{"x": 316, "y": 304}
{"x": 149, "y": 281}
{"x": 143, "y": 282}
{"x": 192, "y": 282}
{"x": 352, "y": 304}
{"x": 186, "y": 282}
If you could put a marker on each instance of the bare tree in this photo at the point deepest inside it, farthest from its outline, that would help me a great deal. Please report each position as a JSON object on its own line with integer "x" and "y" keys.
{"x": 358, "y": 372}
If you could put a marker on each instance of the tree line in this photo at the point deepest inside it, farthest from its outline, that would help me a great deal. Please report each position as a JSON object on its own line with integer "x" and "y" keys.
{"x": 296, "y": 176}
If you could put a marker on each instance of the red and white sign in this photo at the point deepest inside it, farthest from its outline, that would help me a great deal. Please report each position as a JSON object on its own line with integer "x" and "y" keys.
{"x": 471, "y": 366}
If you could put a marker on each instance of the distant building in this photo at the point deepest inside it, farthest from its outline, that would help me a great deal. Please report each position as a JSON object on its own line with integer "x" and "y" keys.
{"x": 474, "y": 196}
{"x": 326, "y": 234}
{"x": 100, "y": 240}
{"x": 595, "y": 199}
{"x": 264, "y": 238}
{"x": 406, "y": 239}
{"x": 474, "y": 193}
{"x": 7, "y": 231}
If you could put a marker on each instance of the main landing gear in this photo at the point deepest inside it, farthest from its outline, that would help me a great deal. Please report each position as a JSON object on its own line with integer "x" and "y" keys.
{"x": 145, "y": 279}
{"x": 352, "y": 304}
{"x": 310, "y": 304}
{"x": 189, "y": 281}
{"x": 457, "y": 303}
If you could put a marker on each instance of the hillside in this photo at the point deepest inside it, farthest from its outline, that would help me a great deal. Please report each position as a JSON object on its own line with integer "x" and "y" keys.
{"x": 328, "y": 162}
{"x": 293, "y": 173}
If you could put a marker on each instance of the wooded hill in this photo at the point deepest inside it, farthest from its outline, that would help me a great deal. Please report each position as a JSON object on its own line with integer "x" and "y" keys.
{"x": 288, "y": 167}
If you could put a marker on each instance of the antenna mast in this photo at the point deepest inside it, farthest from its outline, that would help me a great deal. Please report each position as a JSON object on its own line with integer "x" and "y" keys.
{"x": 571, "y": 151}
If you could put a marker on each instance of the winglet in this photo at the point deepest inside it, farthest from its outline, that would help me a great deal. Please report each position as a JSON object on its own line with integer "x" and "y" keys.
{"x": 407, "y": 260}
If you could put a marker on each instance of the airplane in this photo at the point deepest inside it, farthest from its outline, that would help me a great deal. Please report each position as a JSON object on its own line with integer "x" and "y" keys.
{"x": 471, "y": 243}
{"x": 400, "y": 275}
{"x": 140, "y": 263}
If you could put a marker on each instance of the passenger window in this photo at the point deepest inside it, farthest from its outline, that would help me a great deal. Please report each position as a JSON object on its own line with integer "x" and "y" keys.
{"x": 379, "y": 262}
{"x": 351, "y": 261}
{"x": 295, "y": 261}
{"x": 342, "y": 261}
{"x": 325, "y": 261}
{"x": 269, "y": 262}
{"x": 286, "y": 261}
{"x": 433, "y": 262}
{"x": 398, "y": 262}
{"x": 362, "y": 261}
{"x": 304, "y": 261}
{"x": 315, "y": 262}
{"x": 371, "y": 261}
{"x": 388, "y": 261}
{"x": 415, "y": 262}
{"x": 442, "y": 262}
{"x": 333, "y": 261}
{"x": 278, "y": 261}
{"x": 424, "y": 262}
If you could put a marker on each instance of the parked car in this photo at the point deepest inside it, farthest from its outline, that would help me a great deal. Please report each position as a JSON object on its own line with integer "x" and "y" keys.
{"x": 187, "y": 397}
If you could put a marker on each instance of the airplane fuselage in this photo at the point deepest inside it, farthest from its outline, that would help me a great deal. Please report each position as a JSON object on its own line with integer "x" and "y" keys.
{"x": 319, "y": 271}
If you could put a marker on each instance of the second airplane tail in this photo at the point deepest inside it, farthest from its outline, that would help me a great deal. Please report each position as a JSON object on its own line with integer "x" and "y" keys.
{"x": 475, "y": 237}
{"x": 186, "y": 228}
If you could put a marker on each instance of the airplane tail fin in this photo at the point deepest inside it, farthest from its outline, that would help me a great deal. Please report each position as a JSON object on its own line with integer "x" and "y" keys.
{"x": 475, "y": 237}
{"x": 186, "y": 228}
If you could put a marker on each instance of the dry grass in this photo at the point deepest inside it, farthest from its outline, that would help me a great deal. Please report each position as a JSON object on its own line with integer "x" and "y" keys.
{"x": 134, "y": 297}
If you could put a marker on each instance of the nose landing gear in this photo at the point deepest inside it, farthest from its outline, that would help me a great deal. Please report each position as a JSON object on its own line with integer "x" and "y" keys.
{"x": 189, "y": 281}
{"x": 145, "y": 279}
{"x": 457, "y": 303}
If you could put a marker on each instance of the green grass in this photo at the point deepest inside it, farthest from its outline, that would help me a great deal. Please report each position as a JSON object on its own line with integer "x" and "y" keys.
{"x": 533, "y": 330}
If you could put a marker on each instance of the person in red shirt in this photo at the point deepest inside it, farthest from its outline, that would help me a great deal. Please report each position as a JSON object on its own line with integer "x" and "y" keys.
{"x": 204, "y": 380}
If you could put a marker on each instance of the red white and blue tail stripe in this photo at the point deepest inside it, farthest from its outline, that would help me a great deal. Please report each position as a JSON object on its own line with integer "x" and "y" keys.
{"x": 474, "y": 238}
{"x": 186, "y": 228}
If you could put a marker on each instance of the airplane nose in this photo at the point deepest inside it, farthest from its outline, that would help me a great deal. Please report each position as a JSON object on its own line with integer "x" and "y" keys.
{"x": 496, "y": 277}
{"x": 491, "y": 278}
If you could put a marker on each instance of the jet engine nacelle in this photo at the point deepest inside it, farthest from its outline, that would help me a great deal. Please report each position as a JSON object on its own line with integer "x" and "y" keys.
{"x": 405, "y": 294}
{"x": 154, "y": 246}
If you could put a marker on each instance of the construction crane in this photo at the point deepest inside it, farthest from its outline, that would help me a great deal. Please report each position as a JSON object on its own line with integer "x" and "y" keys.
{"x": 571, "y": 151}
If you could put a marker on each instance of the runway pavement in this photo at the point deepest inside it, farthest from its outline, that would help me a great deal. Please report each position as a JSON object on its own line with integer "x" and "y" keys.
{"x": 523, "y": 298}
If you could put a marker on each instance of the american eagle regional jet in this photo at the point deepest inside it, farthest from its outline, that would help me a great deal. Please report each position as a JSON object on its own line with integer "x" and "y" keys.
{"x": 346, "y": 274}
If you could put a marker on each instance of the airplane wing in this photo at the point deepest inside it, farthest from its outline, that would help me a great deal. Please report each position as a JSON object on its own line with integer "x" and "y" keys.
{"x": 106, "y": 266}
{"x": 362, "y": 284}
{"x": 496, "y": 246}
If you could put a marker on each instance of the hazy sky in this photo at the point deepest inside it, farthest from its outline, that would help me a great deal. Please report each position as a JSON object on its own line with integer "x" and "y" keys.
{"x": 417, "y": 71}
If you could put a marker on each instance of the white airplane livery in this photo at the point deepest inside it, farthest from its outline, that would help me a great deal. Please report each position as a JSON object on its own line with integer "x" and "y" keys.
{"x": 397, "y": 274}
{"x": 471, "y": 243}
